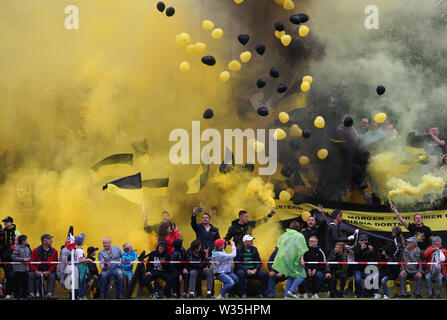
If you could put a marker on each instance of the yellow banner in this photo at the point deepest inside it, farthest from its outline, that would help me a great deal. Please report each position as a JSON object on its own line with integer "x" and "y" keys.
{"x": 370, "y": 221}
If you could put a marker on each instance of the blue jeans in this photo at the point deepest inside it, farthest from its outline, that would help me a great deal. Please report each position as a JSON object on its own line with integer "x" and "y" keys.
{"x": 292, "y": 284}
{"x": 383, "y": 281}
{"x": 359, "y": 283}
{"x": 429, "y": 279}
{"x": 317, "y": 280}
{"x": 117, "y": 273}
{"x": 272, "y": 284}
{"x": 260, "y": 275}
{"x": 228, "y": 279}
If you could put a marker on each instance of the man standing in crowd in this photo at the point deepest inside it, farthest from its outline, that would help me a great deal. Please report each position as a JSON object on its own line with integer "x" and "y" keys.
{"x": 333, "y": 234}
{"x": 411, "y": 253}
{"x": 314, "y": 229}
{"x": 274, "y": 276}
{"x": 240, "y": 227}
{"x": 43, "y": 271}
{"x": 337, "y": 271}
{"x": 249, "y": 253}
{"x": 435, "y": 253}
{"x": 112, "y": 254}
{"x": 363, "y": 252}
{"x": 206, "y": 233}
{"x": 416, "y": 229}
{"x": 7, "y": 241}
{"x": 314, "y": 272}
{"x": 21, "y": 253}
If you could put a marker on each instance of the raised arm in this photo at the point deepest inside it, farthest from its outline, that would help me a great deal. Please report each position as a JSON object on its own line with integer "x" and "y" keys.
{"x": 402, "y": 220}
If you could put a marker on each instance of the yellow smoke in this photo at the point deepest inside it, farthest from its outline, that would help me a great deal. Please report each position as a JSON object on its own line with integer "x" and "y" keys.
{"x": 401, "y": 187}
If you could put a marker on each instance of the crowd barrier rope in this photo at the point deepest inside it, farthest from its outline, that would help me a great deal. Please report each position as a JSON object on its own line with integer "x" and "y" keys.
{"x": 195, "y": 262}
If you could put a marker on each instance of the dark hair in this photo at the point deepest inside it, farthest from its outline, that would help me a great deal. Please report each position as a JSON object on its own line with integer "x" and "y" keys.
{"x": 163, "y": 231}
{"x": 242, "y": 212}
{"x": 165, "y": 212}
{"x": 335, "y": 214}
{"x": 398, "y": 232}
{"x": 207, "y": 214}
{"x": 22, "y": 238}
{"x": 387, "y": 251}
{"x": 295, "y": 225}
{"x": 195, "y": 244}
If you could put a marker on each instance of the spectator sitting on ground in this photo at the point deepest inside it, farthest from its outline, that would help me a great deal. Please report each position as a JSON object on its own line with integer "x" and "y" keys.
{"x": 386, "y": 271}
{"x": 416, "y": 229}
{"x": 180, "y": 273}
{"x": 274, "y": 276}
{"x": 61, "y": 269}
{"x": 435, "y": 253}
{"x": 205, "y": 232}
{"x": 199, "y": 270}
{"x": 336, "y": 272}
{"x": 129, "y": 255}
{"x": 110, "y": 270}
{"x": 411, "y": 253}
{"x": 222, "y": 262}
{"x": 242, "y": 226}
{"x": 93, "y": 274}
{"x": 363, "y": 252}
{"x": 252, "y": 270}
{"x": 21, "y": 253}
{"x": 159, "y": 270}
{"x": 314, "y": 272}
{"x": 42, "y": 271}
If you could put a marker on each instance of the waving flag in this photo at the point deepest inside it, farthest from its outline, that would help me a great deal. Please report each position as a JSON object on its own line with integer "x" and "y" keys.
{"x": 70, "y": 243}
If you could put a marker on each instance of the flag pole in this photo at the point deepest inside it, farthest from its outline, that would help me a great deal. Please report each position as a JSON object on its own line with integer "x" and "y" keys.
{"x": 72, "y": 276}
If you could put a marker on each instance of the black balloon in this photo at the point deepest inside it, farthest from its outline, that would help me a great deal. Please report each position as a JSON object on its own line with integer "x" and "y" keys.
{"x": 260, "y": 48}
{"x": 161, "y": 6}
{"x": 243, "y": 38}
{"x": 209, "y": 60}
{"x": 286, "y": 172}
{"x": 348, "y": 122}
{"x": 306, "y": 134}
{"x": 260, "y": 83}
{"x": 263, "y": 111}
{"x": 208, "y": 114}
{"x": 294, "y": 144}
{"x": 274, "y": 72}
{"x": 303, "y": 17}
{"x": 380, "y": 90}
{"x": 170, "y": 11}
{"x": 249, "y": 166}
{"x": 295, "y": 19}
{"x": 282, "y": 88}
{"x": 279, "y": 26}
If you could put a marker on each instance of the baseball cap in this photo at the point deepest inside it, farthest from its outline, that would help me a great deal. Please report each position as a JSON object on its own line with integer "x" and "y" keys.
{"x": 412, "y": 239}
{"x": 80, "y": 238}
{"x": 45, "y": 236}
{"x": 363, "y": 237}
{"x": 219, "y": 242}
{"x": 8, "y": 219}
{"x": 247, "y": 237}
{"x": 91, "y": 249}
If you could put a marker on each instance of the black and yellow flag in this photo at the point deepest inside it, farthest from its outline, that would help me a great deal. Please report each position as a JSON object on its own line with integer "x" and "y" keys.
{"x": 156, "y": 187}
{"x": 129, "y": 187}
{"x": 196, "y": 183}
{"x": 122, "y": 158}
{"x": 112, "y": 167}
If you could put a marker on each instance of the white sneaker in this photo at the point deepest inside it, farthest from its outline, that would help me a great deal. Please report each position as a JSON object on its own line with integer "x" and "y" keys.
{"x": 385, "y": 296}
{"x": 377, "y": 296}
{"x": 305, "y": 296}
{"x": 8, "y": 296}
{"x": 315, "y": 296}
{"x": 219, "y": 297}
{"x": 290, "y": 294}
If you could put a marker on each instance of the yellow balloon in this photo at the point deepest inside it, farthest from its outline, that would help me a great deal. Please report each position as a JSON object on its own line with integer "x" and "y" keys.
{"x": 305, "y": 86}
{"x": 182, "y": 39}
{"x": 308, "y": 79}
{"x": 200, "y": 47}
{"x": 322, "y": 154}
{"x": 217, "y": 33}
{"x": 319, "y": 122}
{"x": 305, "y": 216}
{"x": 279, "y": 34}
{"x": 380, "y": 117}
{"x": 207, "y": 25}
{"x": 184, "y": 66}
{"x": 303, "y": 31}
{"x": 279, "y": 134}
{"x": 238, "y": 1}
{"x": 285, "y": 40}
{"x": 234, "y": 65}
{"x": 245, "y": 56}
{"x": 191, "y": 49}
{"x": 303, "y": 160}
{"x": 291, "y": 192}
{"x": 269, "y": 186}
{"x": 224, "y": 76}
{"x": 284, "y": 196}
{"x": 283, "y": 117}
{"x": 279, "y": 2}
{"x": 288, "y": 5}
{"x": 295, "y": 131}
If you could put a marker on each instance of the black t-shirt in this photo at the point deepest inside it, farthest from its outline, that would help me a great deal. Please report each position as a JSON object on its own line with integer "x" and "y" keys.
{"x": 423, "y": 233}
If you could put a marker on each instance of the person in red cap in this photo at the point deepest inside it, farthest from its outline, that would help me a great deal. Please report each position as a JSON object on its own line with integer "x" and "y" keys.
{"x": 223, "y": 266}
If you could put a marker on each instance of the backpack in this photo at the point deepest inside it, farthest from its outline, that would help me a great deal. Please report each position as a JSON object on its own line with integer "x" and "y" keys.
{"x": 436, "y": 269}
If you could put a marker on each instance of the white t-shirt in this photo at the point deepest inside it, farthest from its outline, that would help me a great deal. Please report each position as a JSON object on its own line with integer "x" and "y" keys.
{"x": 79, "y": 253}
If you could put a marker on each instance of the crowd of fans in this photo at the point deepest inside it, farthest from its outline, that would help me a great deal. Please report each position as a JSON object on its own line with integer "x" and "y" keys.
{"x": 209, "y": 261}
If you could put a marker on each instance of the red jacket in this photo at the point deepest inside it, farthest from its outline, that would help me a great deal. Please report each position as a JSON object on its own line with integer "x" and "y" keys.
{"x": 428, "y": 255}
{"x": 38, "y": 254}
{"x": 170, "y": 239}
